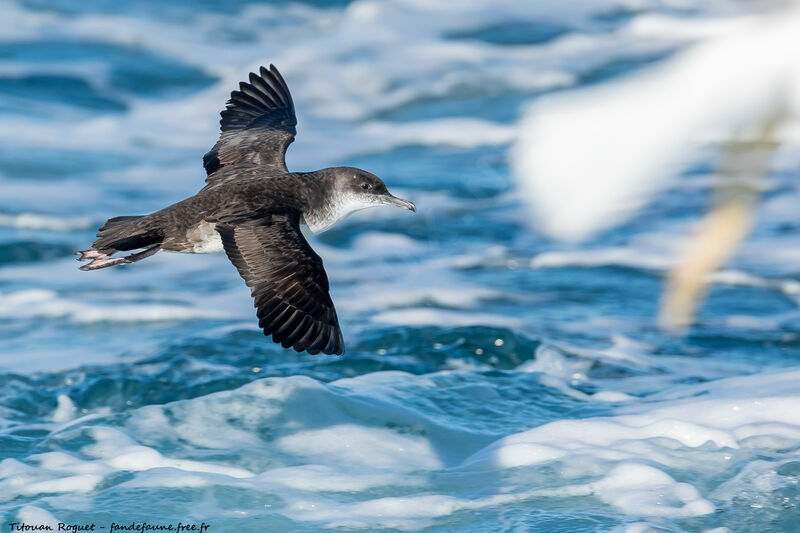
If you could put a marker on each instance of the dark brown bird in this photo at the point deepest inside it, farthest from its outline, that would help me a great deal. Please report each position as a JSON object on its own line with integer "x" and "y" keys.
{"x": 252, "y": 208}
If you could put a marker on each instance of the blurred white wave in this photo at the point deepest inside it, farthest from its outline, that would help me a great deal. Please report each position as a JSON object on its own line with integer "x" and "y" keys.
{"x": 587, "y": 160}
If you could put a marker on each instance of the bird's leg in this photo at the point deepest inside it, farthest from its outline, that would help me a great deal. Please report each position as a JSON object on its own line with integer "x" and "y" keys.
{"x": 94, "y": 254}
{"x": 103, "y": 259}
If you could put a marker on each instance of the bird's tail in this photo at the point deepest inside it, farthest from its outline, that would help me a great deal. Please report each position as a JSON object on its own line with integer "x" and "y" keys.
{"x": 121, "y": 234}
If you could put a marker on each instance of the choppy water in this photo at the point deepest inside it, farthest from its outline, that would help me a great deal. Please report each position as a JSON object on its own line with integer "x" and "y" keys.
{"x": 494, "y": 381}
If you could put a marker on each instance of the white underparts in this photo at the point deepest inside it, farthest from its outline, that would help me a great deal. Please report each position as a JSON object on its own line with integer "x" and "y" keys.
{"x": 204, "y": 238}
{"x": 319, "y": 220}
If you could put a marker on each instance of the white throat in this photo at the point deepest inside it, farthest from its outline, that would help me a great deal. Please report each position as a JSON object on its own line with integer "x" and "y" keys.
{"x": 339, "y": 206}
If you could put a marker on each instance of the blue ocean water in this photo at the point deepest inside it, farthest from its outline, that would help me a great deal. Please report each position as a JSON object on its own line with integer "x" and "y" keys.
{"x": 493, "y": 380}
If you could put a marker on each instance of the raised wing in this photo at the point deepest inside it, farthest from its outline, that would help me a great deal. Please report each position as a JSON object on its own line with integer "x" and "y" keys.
{"x": 287, "y": 281}
{"x": 258, "y": 124}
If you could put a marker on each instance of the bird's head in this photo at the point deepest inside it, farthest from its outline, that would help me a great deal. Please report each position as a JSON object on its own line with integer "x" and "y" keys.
{"x": 349, "y": 190}
{"x": 361, "y": 189}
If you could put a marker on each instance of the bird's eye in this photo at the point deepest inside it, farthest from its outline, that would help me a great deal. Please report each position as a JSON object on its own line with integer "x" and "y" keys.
{"x": 366, "y": 186}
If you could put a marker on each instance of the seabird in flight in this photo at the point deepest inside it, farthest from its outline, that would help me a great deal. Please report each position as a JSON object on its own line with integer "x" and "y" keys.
{"x": 252, "y": 208}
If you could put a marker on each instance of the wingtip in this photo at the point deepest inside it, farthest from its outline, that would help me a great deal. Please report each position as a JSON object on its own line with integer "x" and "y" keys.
{"x": 335, "y": 345}
{"x": 264, "y": 72}
{"x": 336, "y": 349}
{"x": 340, "y": 343}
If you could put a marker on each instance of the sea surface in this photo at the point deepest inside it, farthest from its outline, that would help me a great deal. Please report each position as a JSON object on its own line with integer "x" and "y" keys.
{"x": 493, "y": 380}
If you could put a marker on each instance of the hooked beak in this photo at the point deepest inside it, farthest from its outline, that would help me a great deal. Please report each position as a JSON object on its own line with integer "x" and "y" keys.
{"x": 389, "y": 199}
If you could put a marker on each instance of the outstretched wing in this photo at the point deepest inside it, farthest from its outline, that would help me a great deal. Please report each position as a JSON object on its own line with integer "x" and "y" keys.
{"x": 258, "y": 124}
{"x": 288, "y": 282}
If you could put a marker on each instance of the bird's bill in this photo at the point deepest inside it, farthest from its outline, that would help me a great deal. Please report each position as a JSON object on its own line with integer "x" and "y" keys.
{"x": 389, "y": 199}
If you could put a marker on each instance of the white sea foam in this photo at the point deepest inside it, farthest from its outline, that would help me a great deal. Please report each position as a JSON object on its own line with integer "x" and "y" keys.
{"x": 33, "y": 515}
{"x": 34, "y": 221}
{"x": 441, "y": 317}
{"x": 634, "y": 489}
{"x": 345, "y": 444}
{"x": 657, "y": 252}
{"x": 789, "y": 287}
{"x": 621, "y": 256}
{"x": 134, "y": 457}
{"x": 739, "y": 410}
{"x": 462, "y": 132}
{"x": 20, "y": 479}
{"x": 379, "y": 296}
{"x": 113, "y": 451}
{"x": 65, "y": 410}
{"x": 565, "y": 374}
{"x": 322, "y": 478}
{"x": 638, "y": 489}
{"x": 323, "y": 440}
{"x": 42, "y": 303}
{"x": 375, "y": 244}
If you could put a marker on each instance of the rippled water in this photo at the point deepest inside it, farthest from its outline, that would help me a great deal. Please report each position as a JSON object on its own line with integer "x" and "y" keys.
{"x": 493, "y": 381}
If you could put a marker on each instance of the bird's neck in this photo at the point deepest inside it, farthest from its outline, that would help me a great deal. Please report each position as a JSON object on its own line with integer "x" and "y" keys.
{"x": 327, "y": 205}
{"x": 326, "y": 213}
